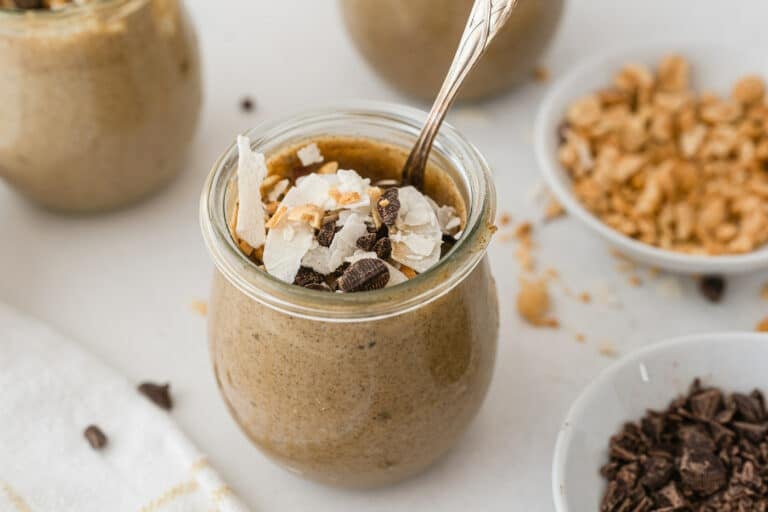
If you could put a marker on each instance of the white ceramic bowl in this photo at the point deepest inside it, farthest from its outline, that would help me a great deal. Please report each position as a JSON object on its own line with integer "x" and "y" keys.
{"x": 714, "y": 69}
{"x": 648, "y": 378}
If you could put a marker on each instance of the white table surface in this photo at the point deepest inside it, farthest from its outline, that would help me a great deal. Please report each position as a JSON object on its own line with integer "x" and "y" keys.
{"x": 123, "y": 283}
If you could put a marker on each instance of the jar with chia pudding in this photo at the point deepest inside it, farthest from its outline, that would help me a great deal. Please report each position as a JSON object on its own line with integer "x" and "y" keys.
{"x": 100, "y": 99}
{"x": 353, "y": 319}
{"x": 411, "y": 43}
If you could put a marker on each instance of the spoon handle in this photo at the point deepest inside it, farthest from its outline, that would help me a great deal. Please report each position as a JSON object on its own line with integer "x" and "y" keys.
{"x": 485, "y": 20}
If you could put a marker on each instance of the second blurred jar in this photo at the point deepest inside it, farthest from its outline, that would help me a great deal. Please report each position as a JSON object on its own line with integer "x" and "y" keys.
{"x": 99, "y": 101}
{"x": 410, "y": 43}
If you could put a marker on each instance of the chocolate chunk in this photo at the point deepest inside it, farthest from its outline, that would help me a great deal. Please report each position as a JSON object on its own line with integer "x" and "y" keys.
{"x": 696, "y": 439}
{"x": 306, "y": 277}
{"x": 366, "y": 242}
{"x": 29, "y": 4}
{"x": 702, "y": 471}
{"x": 657, "y": 471}
{"x": 364, "y": 275}
{"x": 326, "y": 233}
{"x": 160, "y": 394}
{"x": 705, "y": 405}
{"x": 247, "y": 104}
{"x": 562, "y": 133}
{"x": 753, "y": 432}
{"x": 670, "y": 497}
{"x": 321, "y": 287}
{"x": 750, "y": 408}
{"x": 388, "y": 206}
{"x": 383, "y": 248}
{"x": 712, "y": 287}
{"x": 95, "y": 437}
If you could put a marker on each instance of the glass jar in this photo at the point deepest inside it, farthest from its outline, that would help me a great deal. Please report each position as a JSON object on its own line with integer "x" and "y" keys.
{"x": 360, "y": 389}
{"x": 100, "y": 101}
{"x": 411, "y": 43}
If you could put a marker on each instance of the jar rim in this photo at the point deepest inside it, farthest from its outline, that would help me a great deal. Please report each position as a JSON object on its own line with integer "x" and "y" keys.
{"x": 294, "y": 300}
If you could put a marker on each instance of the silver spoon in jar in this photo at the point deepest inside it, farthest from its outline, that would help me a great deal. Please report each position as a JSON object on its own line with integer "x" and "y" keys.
{"x": 485, "y": 20}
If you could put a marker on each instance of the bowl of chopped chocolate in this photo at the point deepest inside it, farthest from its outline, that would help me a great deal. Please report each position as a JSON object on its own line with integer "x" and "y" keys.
{"x": 663, "y": 151}
{"x": 678, "y": 426}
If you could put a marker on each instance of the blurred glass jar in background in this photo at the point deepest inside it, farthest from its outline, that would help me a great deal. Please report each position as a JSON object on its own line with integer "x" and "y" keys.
{"x": 411, "y": 43}
{"x": 99, "y": 101}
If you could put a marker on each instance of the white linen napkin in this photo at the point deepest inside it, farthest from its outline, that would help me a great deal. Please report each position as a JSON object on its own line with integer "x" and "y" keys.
{"x": 50, "y": 391}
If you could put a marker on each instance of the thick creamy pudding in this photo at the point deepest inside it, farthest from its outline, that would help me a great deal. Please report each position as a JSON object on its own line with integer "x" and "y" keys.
{"x": 100, "y": 101}
{"x": 356, "y": 389}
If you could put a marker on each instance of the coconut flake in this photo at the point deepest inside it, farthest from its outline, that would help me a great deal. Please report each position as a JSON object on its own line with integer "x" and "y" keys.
{"x": 251, "y": 171}
{"x": 327, "y": 259}
{"x": 395, "y": 276}
{"x": 286, "y": 245}
{"x": 276, "y": 191}
{"x": 446, "y": 217}
{"x": 416, "y": 237}
{"x": 309, "y": 155}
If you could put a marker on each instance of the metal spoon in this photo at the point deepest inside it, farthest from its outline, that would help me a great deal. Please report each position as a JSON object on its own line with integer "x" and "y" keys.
{"x": 485, "y": 20}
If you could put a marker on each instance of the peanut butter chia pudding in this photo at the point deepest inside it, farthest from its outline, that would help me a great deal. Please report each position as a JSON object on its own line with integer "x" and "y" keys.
{"x": 353, "y": 318}
{"x": 100, "y": 99}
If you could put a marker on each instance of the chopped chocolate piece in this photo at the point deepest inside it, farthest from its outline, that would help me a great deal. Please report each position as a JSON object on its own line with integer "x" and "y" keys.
{"x": 306, "y": 277}
{"x": 95, "y": 437}
{"x": 388, "y": 206}
{"x": 160, "y": 394}
{"x": 750, "y": 408}
{"x": 712, "y": 287}
{"x": 705, "y": 405}
{"x": 657, "y": 472}
{"x": 321, "y": 287}
{"x": 670, "y": 497}
{"x": 696, "y": 439}
{"x": 702, "y": 471}
{"x": 363, "y": 275}
{"x": 383, "y": 248}
{"x": 29, "y": 4}
{"x": 366, "y": 242}
{"x": 246, "y": 104}
{"x": 562, "y": 132}
{"x": 753, "y": 432}
{"x": 326, "y": 233}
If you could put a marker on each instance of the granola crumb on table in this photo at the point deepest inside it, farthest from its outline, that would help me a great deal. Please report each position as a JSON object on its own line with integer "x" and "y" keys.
{"x": 677, "y": 169}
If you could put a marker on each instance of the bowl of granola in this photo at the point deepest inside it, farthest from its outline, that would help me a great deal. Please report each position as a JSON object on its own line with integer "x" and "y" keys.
{"x": 663, "y": 151}
{"x": 678, "y": 425}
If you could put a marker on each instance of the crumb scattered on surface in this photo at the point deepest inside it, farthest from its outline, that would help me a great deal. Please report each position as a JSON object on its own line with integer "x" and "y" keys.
{"x": 762, "y": 326}
{"x": 635, "y": 281}
{"x": 505, "y": 219}
{"x": 608, "y": 349}
{"x": 524, "y": 249}
{"x": 553, "y": 210}
{"x": 764, "y": 292}
{"x": 200, "y": 307}
{"x": 580, "y": 338}
{"x": 247, "y": 104}
{"x": 533, "y": 302}
{"x": 585, "y": 297}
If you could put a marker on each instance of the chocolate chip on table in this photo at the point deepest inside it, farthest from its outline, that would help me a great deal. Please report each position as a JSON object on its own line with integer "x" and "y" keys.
{"x": 364, "y": 275}
{"x": 96, "y": 438}
{"x": 29, "y": 4}
{"x": 306, "y": 277}
{"x": 367, "y": 241}
{"x": 388, "y": 205}
{"x": 707, "y": 452}
{"x": 712, "y": 287}
{"x": 159, "y": 394}
{"x": 383, "y": 248}
{"x": 247, "y": 104}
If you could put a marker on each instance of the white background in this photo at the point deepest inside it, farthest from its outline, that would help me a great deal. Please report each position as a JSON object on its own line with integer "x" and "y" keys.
{"x": 122, "y": 283}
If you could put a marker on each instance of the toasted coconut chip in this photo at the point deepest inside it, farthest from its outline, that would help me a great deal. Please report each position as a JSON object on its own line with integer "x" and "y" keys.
{"x": 449, "y": 222}
{"x": 286, "y": 245}
{"x": 251, "y": 172}
{"x": 327, "y": 259}
{"x": 329, "y": 168}
{"x": 309, "y": 155}
{"x": 395, "y": 276}
{"x": 309, "y": 213}
{"x": 416, "y": 237}
{"x": 278, "y": 189}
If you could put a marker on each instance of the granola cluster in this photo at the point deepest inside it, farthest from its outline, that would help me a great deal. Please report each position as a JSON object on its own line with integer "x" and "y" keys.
{"x": 674, "y": 168}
